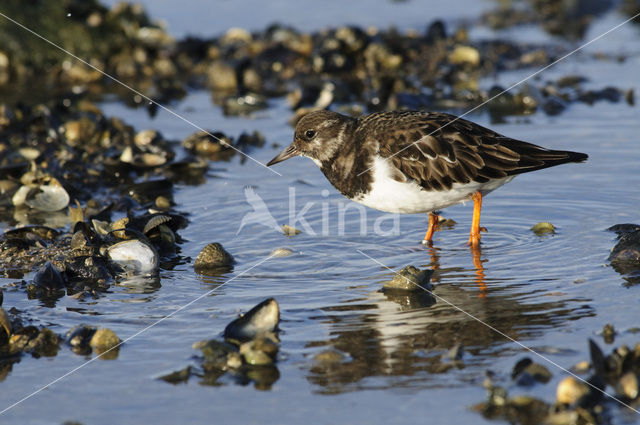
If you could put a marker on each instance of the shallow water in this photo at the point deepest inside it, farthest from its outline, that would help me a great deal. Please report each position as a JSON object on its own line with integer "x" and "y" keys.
{"x": 549, "y": 293}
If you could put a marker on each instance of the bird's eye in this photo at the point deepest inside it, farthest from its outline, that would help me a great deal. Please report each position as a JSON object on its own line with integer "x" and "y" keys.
{"x": 309, "y": 134}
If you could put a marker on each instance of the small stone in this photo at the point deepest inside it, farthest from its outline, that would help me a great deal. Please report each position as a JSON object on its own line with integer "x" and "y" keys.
{"x": 630, "y": 97}
{"x": 104, "y": 339}
{"x": 290, "y": 230}
{"x": 218, "y": 355}
{"x": 259, "y": 352}
{"x": 464, "y": 55}
{"x": 570, "y": 390}
{"x": 178, "y": 376}
{"x": 527, "y": 373}
{"x": 222, "y": 76}
{"x": 213, "y": 256}
{"x": 628, "y": 385}
{"x": 163, "y": 203}
{"x": 608, "y": 333}
{"x": 497, "y": 396}
{"x": 328, "y": 357}
{"x": 44, "y": 344}
{"x": 410, "y": 278}
{"x": 281, "y": 252}
{"x": 544, "y": 228}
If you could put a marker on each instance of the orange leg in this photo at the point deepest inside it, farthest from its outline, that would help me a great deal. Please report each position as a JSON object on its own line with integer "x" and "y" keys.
{"x": 474, "y": 235}
{"x": 433, "y": 222}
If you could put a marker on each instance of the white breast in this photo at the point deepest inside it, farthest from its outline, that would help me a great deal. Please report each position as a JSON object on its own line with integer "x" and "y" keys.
{"x": 393, "y": 196}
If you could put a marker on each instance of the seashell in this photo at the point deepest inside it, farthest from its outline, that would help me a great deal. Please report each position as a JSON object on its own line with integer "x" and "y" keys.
{"x": 49, "y": 278}
{"x": 134, "y": 255}
{"x": 155, "y": 221}
{"x": 213, "y": 256}
{"x": 32, "y": 232}
{"x": 119, "y": 227}
{"x": 79, "y": 338}
{"x": 261, "y": 320}
{"x": 290, "y": 230}
{"x": 49, "y": 196}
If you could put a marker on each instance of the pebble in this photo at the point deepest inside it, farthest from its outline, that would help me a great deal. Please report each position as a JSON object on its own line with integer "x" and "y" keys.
{"x": 281, "y": 252}
{"x": 410, "y": 278}
{"x": 178, "y": 376}
{"x": 608, "y": 333}
{"x": 526, "y": 372}
{"x": 328, "y": 357}
{"x": 543, "y": 228}
{"x": 465, "y": 55}
{"x": 290, "y": 230}
{"x": 104, "y": 339}
{"x": 259, "y": 352}
{"x": 570, "y": 390}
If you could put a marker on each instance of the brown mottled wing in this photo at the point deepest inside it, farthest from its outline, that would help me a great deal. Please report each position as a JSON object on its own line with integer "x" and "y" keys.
{"x": 421, "y": 148}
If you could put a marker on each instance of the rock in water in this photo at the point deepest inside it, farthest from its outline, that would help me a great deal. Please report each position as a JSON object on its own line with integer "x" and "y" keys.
{"x": 543, "y": 228}
{"x": 410, "y": 278}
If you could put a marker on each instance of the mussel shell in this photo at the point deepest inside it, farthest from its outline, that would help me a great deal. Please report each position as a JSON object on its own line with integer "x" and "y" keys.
{"x": 133, "y": 255}
{"x": 79, "y": 337}
{"x": 49, "y": 278}
{"x": 31, "y": 233}
{"x": 47, "y": 198}
{"x": 259, "y": 321}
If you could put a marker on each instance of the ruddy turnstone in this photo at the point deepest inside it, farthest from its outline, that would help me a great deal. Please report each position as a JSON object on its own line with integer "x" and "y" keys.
{"x": 414, "y": 162}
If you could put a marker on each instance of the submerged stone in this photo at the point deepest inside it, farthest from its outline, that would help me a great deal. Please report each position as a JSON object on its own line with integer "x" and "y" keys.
{"x": 411, "y": 279}
{"x": 543, "y": 228}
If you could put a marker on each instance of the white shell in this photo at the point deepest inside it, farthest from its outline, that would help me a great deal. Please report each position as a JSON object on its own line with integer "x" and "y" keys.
{"x": 43, "y": 197}
{"x": 134, "y": 256}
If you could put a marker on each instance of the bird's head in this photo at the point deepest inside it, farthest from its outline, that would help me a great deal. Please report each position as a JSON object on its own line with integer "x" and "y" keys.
{"x": 318, "y": 136}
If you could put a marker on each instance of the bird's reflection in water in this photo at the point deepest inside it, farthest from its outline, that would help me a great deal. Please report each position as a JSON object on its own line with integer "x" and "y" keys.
{"x": 408, "y": 337}
{"x": 476, "y": 254}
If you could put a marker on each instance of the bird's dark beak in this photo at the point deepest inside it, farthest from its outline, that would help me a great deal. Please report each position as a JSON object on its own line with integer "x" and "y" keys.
{"x": 288, "y": 152}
